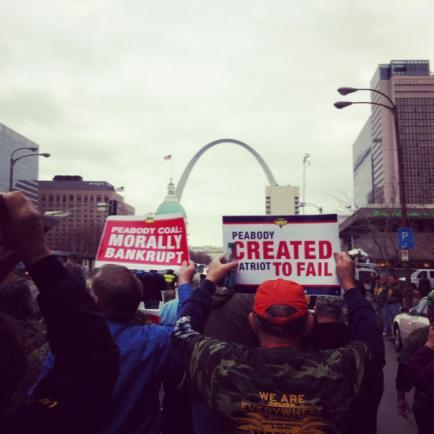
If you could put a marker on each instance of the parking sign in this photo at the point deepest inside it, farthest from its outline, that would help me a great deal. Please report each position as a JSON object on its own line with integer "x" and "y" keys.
{"x": 405, "y": 238}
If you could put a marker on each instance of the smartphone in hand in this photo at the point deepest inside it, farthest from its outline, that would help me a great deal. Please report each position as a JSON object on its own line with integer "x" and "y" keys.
{"x": 230, "y": 255}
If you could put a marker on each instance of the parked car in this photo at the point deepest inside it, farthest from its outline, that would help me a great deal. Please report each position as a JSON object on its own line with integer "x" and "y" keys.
{"x": 421, "y": 272}
{"x": 407, "y": 321}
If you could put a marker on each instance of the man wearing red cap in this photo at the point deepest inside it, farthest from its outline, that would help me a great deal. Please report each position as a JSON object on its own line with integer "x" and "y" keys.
{"x": 277, "y": 387}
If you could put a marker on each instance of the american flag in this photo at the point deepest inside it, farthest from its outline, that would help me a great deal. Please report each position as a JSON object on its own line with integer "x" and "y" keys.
{"x": 168, "y": 157}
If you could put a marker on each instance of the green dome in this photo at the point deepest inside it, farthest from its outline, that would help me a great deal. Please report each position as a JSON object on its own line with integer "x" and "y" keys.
{"x": 171, "y": 207}
{"x": 171, "y": 204}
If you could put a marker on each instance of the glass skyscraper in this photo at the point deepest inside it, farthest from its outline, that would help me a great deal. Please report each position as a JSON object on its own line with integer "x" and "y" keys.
{"x": 25, "y": 171}
{"x": 410, "y": 85}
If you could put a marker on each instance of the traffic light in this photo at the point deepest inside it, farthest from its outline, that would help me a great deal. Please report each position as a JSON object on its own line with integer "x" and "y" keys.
{"x": 113, "y": 207}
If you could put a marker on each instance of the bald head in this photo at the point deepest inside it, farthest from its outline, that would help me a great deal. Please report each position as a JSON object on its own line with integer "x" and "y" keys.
{"x": 118, "y": 292}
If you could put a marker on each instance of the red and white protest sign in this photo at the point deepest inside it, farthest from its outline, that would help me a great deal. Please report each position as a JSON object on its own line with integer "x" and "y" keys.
{"x": 297, "y": 248}
{"x": 153, "y": 315}
{"x": 144, "y": 242}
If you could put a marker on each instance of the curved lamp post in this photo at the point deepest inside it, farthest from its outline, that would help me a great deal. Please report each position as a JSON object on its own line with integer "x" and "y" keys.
{"x": 401, "y": 180}
{"x": 306, "y": 162}
{"x": 13, "y": 161}
{"x": 100, "y": 206}
{"x": 305, "y": 204}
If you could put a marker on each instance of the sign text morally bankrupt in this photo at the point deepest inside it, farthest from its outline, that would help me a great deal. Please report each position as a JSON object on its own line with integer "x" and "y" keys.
{"x": 142, "y": 244}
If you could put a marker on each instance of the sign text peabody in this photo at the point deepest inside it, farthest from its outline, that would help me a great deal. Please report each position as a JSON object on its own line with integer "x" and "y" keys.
{"x": 298, "y": 248}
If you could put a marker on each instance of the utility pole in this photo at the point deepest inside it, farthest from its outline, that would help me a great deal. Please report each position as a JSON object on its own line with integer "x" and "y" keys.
{"x": 306, "y": 162}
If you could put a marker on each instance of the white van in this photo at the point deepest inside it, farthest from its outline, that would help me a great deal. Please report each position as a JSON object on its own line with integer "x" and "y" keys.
{"x": 417, "y": 274}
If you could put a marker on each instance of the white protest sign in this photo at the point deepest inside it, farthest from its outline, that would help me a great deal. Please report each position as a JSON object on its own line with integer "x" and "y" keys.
{"x": 297, "y": 248}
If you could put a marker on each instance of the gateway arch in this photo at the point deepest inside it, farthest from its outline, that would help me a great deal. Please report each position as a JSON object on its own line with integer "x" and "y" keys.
{"x": 184, "y": 177}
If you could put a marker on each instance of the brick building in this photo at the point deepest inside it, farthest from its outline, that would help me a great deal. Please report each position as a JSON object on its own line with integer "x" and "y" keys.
{"x": 80, "y": 208}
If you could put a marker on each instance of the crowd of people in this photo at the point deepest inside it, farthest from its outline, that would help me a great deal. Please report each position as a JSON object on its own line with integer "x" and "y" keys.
{"x": 85, "y": 360}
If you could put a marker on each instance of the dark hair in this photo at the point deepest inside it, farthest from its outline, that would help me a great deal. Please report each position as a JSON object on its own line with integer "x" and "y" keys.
{"x": 12, "y": 362}
{"x": 16, "y": 300}
{"x": 119, "y": 292}
{"x": 291, "y": 329}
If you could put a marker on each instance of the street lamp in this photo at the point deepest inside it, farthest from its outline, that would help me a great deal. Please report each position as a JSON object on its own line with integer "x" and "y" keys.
{"x": 13, "y": 161}
{"x": 401, "y": 180}
{"x": 306, "y": 162}
{"x": 100, "y": 206}
{"x": 28, "y": 148}
{"x": 305, "y": 204}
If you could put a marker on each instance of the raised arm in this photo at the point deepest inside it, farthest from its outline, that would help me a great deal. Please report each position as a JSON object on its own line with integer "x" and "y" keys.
{"x": 80, "y": 384}
{"x": 198, "y": 306}
{"x": 361, "y": 318}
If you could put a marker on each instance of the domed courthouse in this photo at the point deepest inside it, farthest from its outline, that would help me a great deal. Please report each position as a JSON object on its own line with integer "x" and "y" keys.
{"x": 171, "y": 204}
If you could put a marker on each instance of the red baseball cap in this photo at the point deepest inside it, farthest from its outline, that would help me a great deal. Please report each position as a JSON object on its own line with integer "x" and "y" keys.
{"x": 280, "y": 292}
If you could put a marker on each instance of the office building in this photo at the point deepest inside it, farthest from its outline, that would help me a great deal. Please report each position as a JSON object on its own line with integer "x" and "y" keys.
{"x": 410, "y": 85}
{"x": 283, "y": 200}
{"x": 81, "y": 208}
{"x": 25, "y": 173}
{"x": 363, "y": 174}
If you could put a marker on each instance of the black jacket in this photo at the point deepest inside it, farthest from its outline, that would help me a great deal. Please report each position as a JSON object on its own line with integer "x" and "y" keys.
{"x": 74, "y": 396}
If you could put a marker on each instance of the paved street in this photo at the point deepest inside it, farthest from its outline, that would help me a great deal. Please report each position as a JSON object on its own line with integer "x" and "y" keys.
{"x": 389, "y": 421}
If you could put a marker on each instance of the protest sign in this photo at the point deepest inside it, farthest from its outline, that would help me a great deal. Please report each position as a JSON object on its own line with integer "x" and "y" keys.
{"x": 144, "y": 242}
{"x": 153, "y": 315}
{"x": 298, "y": 248}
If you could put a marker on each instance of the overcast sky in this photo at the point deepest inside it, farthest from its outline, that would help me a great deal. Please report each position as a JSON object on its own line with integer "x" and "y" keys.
{"x": 110, "y": 87}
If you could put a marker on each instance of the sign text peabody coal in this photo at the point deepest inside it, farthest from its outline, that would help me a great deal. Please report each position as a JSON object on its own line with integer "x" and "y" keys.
{"x": 144, "y": 242}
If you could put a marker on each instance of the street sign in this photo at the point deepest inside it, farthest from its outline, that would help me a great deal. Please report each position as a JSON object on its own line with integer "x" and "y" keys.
{"x": 405, "y": 238}
{"x": 404, "y": 255}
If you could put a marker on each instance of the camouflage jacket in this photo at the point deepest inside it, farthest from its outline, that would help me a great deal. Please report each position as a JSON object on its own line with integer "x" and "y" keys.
{"x": 278, "y": 390}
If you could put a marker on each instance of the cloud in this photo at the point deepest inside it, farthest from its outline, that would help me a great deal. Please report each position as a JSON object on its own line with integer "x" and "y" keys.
{"x": 109, "y": 87}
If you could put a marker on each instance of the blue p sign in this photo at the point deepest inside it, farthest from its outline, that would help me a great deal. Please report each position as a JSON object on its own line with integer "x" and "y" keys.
{"x": 405, "y": 238}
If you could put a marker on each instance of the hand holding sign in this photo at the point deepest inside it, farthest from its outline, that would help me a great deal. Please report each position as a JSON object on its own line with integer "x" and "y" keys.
{"x": 186, "y": 272}
{"x": 345, "y": 270}
{"x": 217, "y": 270}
